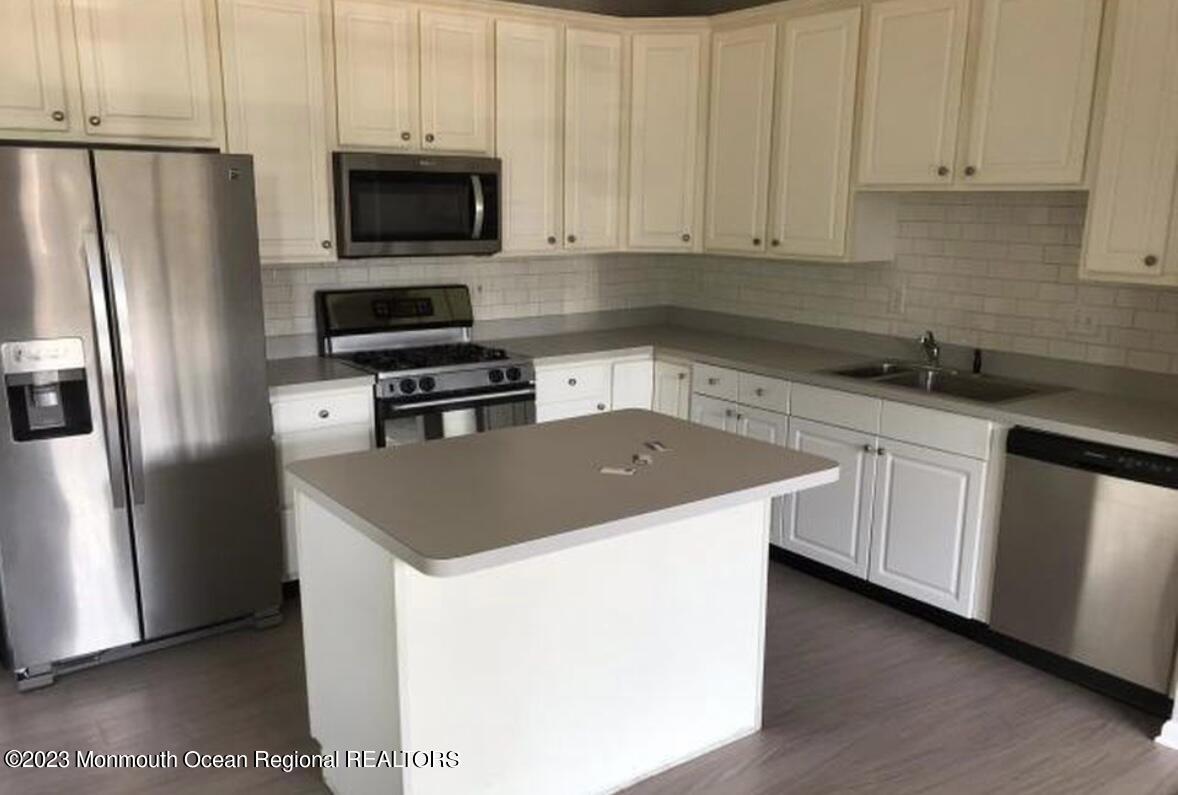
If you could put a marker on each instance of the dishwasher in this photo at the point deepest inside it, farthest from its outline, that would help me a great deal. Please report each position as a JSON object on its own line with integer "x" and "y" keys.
{"x": 1087, "y": 556}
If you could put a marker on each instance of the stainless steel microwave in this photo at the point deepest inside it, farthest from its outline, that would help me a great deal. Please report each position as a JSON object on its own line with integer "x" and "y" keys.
{"x": 414, "y": 205}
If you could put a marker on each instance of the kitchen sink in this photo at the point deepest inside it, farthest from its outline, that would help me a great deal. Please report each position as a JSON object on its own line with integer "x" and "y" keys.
{"x": 943, "y": 381}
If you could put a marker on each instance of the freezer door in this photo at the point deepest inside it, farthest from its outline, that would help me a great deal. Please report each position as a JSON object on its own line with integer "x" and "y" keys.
{"x": 181, "y": 244}
{"x": 67, "y": 580}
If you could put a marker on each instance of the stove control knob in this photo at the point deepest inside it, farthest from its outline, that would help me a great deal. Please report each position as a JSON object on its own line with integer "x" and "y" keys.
{"x": 513, "y": 374}
{"x": 408, "y": 386}
{"x": 427, "y": 383}
{"x": 496, "y": 376}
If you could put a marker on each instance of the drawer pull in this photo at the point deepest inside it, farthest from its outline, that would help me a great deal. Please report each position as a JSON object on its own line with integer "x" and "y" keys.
{"x": 728, "y": 412}
{"x": 869, "y": 449}
{"x": 601, "y": 407}
{"x": 759, "y": 392}
{"x": 324, "y": 414}
{"x": 713, "y": 381}
{"x": 572, "y": 382}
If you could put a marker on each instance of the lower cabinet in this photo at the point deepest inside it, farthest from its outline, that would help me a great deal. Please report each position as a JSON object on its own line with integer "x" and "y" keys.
{"x": 713, "y": 412}
{"x": 579, "y": 388}
{"x": 672, "y": 389}
{"x": 927, "y": 520}
{"x": 832, "y": 524}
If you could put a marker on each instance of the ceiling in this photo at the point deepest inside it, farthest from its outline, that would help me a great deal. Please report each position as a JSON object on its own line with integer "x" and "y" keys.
{"x": 649, "y": 8}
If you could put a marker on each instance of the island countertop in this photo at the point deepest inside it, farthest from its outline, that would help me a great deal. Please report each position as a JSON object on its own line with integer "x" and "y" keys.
{"x": 462, "y": 504}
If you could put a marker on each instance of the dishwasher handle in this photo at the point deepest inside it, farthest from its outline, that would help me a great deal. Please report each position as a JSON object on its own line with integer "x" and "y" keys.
{"x": 1104, "y": 459}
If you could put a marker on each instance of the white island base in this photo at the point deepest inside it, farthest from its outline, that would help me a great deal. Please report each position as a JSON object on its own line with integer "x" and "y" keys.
{"x": 578, "y": 671}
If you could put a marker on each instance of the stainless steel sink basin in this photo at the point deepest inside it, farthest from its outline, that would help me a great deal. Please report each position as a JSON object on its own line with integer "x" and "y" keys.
{"x": 943, "y": 381}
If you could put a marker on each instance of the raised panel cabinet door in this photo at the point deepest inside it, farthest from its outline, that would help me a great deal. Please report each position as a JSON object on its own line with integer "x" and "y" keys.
{"x": 665, "y": 110}
{"x": 376, "y": 73}
{"x": 815, "y": 120}
{"x": 1129, "y": 211}
{"x": 926, "y": 524}
{"x": 147, "y": 67}
{"x": 274, "y": 67}
{"x": 456, "y": 81}
{"x": 592, "y": 139}
{"x": 832, "y": 524}
{"x": 739, "y": 129}
{"x": 773, "y": 428}
{"x": 912, "y": 91}
{"x": 632, "y": 385}
{"x": 714, "y": 413}
{"x": 32, "y": 77}
{"x": 672, "y": 389}
{"x": 1032, "y": 100}
{"x": 528, "y": 84}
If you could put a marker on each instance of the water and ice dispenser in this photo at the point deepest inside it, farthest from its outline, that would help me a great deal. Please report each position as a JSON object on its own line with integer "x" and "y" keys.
{"x": 45, "y": 384}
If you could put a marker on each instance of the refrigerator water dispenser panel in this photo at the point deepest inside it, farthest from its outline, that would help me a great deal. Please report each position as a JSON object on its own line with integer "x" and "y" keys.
{"x": 45, "y": 382}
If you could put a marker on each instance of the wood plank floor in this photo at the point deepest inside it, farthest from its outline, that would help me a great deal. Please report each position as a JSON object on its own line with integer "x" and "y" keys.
{"x": 859, "y": 698}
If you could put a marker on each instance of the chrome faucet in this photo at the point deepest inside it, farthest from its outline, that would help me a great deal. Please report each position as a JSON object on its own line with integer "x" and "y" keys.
{"x": 932, "y": 349}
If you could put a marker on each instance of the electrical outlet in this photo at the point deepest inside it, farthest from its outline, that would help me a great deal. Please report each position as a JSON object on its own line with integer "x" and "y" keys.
{"x": 1083, "y": 321}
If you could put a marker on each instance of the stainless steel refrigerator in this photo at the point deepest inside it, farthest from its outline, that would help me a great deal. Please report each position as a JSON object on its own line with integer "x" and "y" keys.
{"x": 138, "y": 490}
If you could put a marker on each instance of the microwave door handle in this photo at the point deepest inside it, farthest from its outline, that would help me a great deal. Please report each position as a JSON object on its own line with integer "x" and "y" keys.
{"x": 480, "y": 207}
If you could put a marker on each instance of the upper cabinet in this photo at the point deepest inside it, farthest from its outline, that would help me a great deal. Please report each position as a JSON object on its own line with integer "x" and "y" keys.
{"x": 528, "y": 117}
{"x": 111, "y": 70}
{"x": 32, "y": 70}
{"x": 1027, "y": 93}
{"x": 1130, "y": 232}
{"x": 593, "y": 139}
{"x": 815, "y": 119}
{"x": 456, "y": 81}
{"x": 376, "y": 73}
{"x": 912, "y": 91}
{"x": 274, "y": 99}
{"x": 740, "y": 125}
{"x": 1032, "y": 99}
{"x": 666, "y": 130}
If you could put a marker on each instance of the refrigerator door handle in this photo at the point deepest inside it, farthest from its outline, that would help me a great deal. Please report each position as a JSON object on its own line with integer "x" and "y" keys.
{"x": 106, "y": 375}
{"x": 114, "y": 257}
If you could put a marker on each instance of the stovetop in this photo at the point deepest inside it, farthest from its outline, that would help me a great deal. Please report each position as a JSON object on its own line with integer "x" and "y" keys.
{"x": 426, "y": 357}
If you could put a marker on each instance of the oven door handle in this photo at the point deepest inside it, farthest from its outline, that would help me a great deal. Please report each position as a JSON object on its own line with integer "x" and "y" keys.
{"x": 429, "y": 404}
{"x": 480, "y": 207}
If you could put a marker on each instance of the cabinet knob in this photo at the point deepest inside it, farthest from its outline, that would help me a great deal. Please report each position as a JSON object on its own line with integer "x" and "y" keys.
{"x": 756, "y": 241}
{"x": 95, "y": 121}
{"x": 728, "y": 412}
{"x": 572, "y": 238}
{"x": 880, "y": 450}
{"x": 713, "y": 381}
{"x": 572, "y": 382}
{"x": 970, "y": 171}
{"x": 759, "y": 392}
{"x": 775, "y": 242}
{"x": 429, "y": 138}
{"x": 942, "y": 171}
{"x": 1150, "y": 261}
{"x": 57, "y": 115}
{"x": 682, "y": 376}
{"x": 686, "y": 238}
{"x": 405, "y": 136}
{"x": 868, "y": 449}
{"x": 601, "y": 407}
{"x": 324, "y": 414}
{"x": 552, "y": 240}
{"x": 326, "y": 244}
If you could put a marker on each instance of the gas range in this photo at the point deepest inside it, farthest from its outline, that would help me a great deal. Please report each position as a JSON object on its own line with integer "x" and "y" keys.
{"x": 417, "y": 342}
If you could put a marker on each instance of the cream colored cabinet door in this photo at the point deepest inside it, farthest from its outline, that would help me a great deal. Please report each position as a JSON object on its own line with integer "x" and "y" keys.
{"x": 274, "y": 86}
{"x": 376, "y": 73}
{"x": 832, "y": 524}
{"x": 672, "y": 389}
{"x": 632, "y": 384}
{"x": 815, "y": 119}
{"x": 148, "y": 69}
{"x": 32, "y": 77}
{"x": 912, "y": 91}
{"x": 714, "y": 413}
{"x": 740, "y": 124}
{"x": 1032, "y": 99}
{"x": 456, "y": 81}
{"x": 592, "y": 140}
{"x": 664, "y": 140}
{"x": 926, "y": 521}
{"x": 528, "y": 134}
{"x": 1129, "y": 211}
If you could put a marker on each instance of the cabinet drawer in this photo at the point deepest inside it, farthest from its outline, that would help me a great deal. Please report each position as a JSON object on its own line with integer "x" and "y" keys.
{"x": 336, "y": 440}
{"x": 939, "y": 430}
{"x": 715, "y": 381}
{"x": 844, "y": 409}
{"x": 762, "y": 392}
{"x": 322, "y": 411}
{"x": 589, "y": 381}
{"x": 547, "y": 412}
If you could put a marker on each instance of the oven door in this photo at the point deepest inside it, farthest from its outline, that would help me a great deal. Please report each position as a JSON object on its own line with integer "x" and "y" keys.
{"x": 404, "y": 205}
{"x": 399, "y": 424}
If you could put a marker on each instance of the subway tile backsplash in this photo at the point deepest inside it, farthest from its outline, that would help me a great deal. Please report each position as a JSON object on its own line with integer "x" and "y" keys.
{"x": 991, "y": 270}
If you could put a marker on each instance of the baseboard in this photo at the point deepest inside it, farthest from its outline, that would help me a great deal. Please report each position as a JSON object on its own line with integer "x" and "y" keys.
{"x": 1135, "y": 695}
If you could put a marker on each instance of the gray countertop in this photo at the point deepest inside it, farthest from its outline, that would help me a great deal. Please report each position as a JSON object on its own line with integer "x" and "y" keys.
{"x": 1112, "y": 419}
{"x": 303, "y": 374}
{"x": 470, "y": 502}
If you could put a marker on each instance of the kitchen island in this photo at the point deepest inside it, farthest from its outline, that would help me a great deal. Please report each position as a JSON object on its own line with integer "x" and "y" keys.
{"x": 567, "y": 607}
